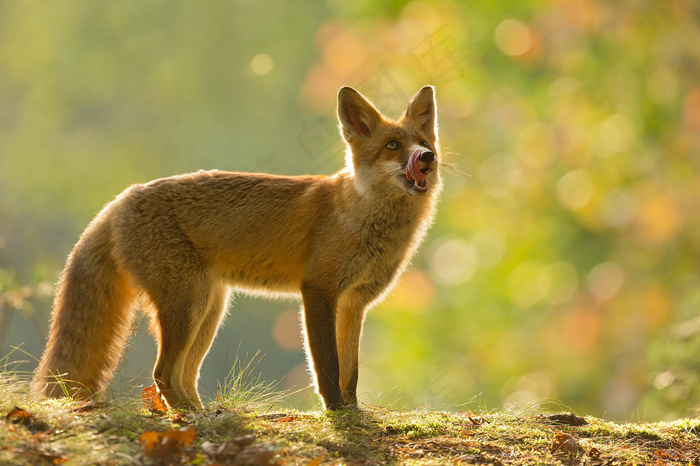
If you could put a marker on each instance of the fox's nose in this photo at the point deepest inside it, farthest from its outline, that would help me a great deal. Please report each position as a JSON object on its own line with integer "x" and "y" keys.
{"x": 427, "y": 162}
{"x": 426, "y": 157}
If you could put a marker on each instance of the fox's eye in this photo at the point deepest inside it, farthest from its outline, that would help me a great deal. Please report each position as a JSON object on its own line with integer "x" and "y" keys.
{"x": 425, "y": 144}
{"x": 392, "y": 145}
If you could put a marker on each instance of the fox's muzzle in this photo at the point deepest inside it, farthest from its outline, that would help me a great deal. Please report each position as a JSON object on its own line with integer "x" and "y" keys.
{"x": 420, "y": 163}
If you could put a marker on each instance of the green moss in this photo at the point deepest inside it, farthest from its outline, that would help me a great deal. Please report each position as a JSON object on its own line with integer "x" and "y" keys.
{"x": 371, "y": 436}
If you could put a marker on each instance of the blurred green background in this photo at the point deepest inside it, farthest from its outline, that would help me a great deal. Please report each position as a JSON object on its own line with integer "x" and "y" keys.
{"x": 564, "y": 266}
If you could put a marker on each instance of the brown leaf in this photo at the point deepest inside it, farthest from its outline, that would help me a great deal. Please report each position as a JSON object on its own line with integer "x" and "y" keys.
{"x": 227, "y": 450}
{"x": 220, "y": 451}
{"x": 564, "y": 443}
{"x": 166, "y": 447}
{"x": 182, "y": 418}
{"x": 280, "y": 417}
{"x": 316, "y": 461}
{"x": 39, "y": 457}
{"x": 53, "y": 458}
{"x": 244, "y": 440}
{"x": 150, "y": 440}
{"x": 288, "y": 419}
{"x": 260, "y": 454}
{"x": 239, "y": 451}
{"x": 153, "y": 400}
{"x": 184, "y": 435}
{"x": 18, "y": 414}
{"x": 210, "y": 448}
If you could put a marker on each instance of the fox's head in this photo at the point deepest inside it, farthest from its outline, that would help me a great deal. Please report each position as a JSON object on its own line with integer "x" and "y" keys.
{"x": 391, "y": 157}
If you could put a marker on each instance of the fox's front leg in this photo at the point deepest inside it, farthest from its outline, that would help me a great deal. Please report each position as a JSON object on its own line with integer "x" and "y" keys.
{"x": 319, "y": 319}
{"x": 348, "y": 327}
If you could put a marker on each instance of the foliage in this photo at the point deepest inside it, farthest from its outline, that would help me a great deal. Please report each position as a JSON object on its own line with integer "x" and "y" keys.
{"x": 564, "y": 265}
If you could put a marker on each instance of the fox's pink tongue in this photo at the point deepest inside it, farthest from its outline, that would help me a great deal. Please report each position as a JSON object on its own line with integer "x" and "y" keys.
{"x": 412, "y": 171}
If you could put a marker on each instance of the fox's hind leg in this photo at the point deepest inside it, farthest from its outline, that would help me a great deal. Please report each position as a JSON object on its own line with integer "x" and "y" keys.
{"x": 202, "y": 343}
{"x": 177, "y": 315}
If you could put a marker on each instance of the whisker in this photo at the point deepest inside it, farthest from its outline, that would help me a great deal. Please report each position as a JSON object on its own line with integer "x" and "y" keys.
{"x": 451, "y": 167}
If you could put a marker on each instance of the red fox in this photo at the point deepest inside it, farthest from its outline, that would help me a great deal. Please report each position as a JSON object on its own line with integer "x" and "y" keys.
{"x": 178, "y": 244}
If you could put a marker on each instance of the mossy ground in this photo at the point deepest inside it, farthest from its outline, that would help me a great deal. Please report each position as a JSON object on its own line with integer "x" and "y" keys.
{"x": 236, "y": 431}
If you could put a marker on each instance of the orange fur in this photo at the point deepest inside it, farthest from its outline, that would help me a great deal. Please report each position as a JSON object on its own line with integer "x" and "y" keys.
{"x": 179, "y": 243}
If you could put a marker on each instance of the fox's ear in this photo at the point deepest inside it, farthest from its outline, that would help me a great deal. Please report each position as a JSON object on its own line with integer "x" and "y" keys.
{"x": 422, "y": 110}
{"x": 356, "y": 115}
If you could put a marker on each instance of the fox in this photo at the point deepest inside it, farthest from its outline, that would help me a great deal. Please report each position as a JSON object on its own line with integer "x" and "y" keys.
{"x": 177, "y": 247}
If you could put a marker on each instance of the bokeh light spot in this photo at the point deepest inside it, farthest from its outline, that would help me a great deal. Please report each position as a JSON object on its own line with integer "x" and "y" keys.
{"x": 344, "y": 53}
{"x": 513, "y": 37}
{"x": 523, "y": 284}
{"x": 658, "y": 218}
{"x": 525, "y": 390}
{"x": 605, "y": 280}
{"x": 286, "y": 331}
{"x": 558, "y": 282}
{"x": 415, "y": 292}
{"x": 575, "y": 189}
{"x": 297, "y": 377}
{"x": 261, "y": 64}
{"x": 454, "y": 262}
{"x": 615, "y": 134}
{"x": 618, "y": 208}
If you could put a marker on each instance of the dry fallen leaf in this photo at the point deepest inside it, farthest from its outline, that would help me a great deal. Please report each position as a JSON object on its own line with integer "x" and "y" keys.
{"x": 227, "y": 450}
{"x": 150, "y": 440}
{"x": 18, "y": 414}
{"x": 288, "y": 419}
{"x": 39, "y": 457}
{"x": 220, "y": 451}
{"x": 153, "y": 400}
{"x": 260, "y": 454}
{"x": 240, "y": 451}
{"x": 182, "y": 418}
{"x": 280, "y": 417}
{"x": 564, "y": 443}
{"x": 166, "y": 447}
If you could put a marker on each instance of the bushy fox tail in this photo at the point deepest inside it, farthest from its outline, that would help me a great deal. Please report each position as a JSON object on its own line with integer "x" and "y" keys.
{"x": 92, "y": 317}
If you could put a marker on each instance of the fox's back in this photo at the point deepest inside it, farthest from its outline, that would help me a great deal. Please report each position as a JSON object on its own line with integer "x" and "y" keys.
{"x": 251, "y": 230}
